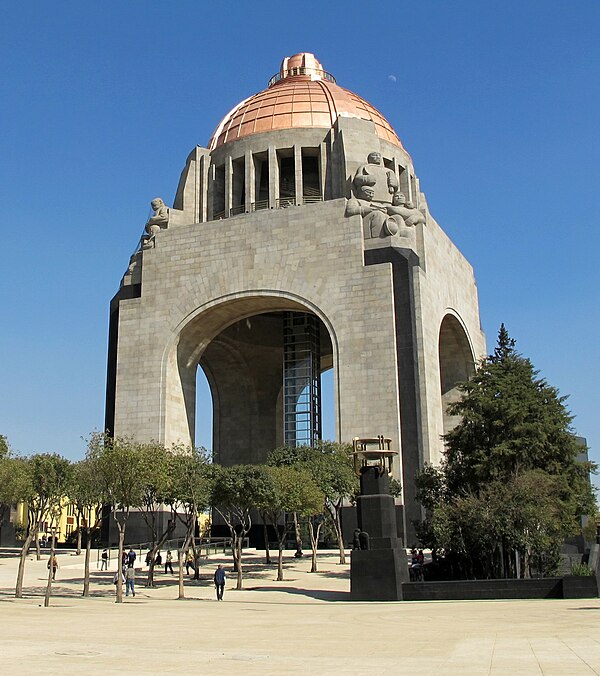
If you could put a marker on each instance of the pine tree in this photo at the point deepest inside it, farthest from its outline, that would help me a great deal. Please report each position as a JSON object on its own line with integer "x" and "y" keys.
{"x": 511, "y": 421}
{"x": 510, "y": 472}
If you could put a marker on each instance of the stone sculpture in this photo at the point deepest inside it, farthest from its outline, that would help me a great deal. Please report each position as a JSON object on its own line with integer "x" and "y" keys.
{"x": 373, "y": 187}
{"x": 157, "y": 222}
{"x": 403, "y": 212}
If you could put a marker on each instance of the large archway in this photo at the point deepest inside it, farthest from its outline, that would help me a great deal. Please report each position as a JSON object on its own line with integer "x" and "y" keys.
{"x": 456, "y": 363}
{"x": 239, "y": 346}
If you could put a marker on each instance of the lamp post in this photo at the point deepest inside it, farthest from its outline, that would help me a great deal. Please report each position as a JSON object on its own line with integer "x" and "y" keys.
{"x": 379, "y": 568}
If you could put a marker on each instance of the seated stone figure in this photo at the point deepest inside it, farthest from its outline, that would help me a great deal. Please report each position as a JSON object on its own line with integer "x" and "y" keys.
{"x": 157, "y": 222}
{"x": 404, "y": 213}
{"x": 375, "y": 175}
{"x": 375, "y": 217}
{"x": 373, "y": 187}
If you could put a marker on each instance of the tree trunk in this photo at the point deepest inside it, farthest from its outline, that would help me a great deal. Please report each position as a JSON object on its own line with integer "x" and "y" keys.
{"x": 181, "y": 553}
{"x": 50, "y": 573}
{"x": 23, "y": 558}
{"x": 314, "y": 543}
{"x": 238, "y": 546}
{"x": 38, "y": 551}
{"x": 79, "y": 537}
{"x": 86, "y": 565}
{"x": 266, "y": 536}
{"x": 119, "y": 598}
{"x": 298, "y": 535}
{"x": 181, "y": 588}
{"x": 340, "y": 537}
{"x": 280, "y": 562}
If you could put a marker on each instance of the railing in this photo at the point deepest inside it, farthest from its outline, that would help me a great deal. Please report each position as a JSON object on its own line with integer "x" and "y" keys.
{"x": 290, "y": 72}
{"x": 312, "y": 199}
{"x": 280, "y": 203}
{"x": 234, "y": 211}
{"x": 207, "y": 546}
{"x": 259, "y": 205}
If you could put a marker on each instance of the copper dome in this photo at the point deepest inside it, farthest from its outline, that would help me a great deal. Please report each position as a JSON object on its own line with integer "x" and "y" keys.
{"x": 301, "y": 95}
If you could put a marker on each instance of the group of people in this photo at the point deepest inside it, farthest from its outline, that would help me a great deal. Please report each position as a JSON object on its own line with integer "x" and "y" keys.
{"x": 127, "y": 570}
{"x": 417, "y": 561}
{"x": 158, "y": 560}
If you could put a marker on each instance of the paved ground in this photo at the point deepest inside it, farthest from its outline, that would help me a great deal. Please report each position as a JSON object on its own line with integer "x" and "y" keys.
{"x": 305, "y": 624}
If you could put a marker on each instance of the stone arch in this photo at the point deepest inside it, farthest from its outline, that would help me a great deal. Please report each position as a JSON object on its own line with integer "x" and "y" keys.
{"x": 456, "y": 363}
{"x": 234, "y": 340}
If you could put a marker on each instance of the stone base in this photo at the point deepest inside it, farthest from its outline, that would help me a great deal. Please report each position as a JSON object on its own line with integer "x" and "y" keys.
{"x": 378, "y": 574}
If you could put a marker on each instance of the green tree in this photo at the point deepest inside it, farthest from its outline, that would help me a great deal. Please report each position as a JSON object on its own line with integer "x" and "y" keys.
{"x": 330, "y": 465}
{"x": 509, "y": 488}
{"x": 158, "y": 463}
{"x": 43, "y": 482}
{"x": 191, "y": 491}
{"x": 290, "y": 490}
{"x": 235, "y": 492}
{"x": 87, "y": 495}
{"x": 122, "y": 476}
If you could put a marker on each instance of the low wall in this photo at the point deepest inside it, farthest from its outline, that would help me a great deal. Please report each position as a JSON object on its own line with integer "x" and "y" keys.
{"x": 569, "y": 587}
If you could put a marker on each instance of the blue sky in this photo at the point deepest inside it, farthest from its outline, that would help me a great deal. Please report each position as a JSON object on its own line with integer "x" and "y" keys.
{"x": 101, "y": 103}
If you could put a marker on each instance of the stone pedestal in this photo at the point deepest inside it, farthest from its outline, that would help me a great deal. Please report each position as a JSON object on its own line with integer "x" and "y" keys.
{"x": 377, "y": 573}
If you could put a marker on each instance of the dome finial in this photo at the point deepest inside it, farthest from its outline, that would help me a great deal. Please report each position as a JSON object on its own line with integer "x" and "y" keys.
{"x": 304, "y": 65}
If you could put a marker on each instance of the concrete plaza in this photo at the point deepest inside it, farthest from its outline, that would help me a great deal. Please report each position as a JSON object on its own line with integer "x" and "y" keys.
{"x": 305, "y": 624}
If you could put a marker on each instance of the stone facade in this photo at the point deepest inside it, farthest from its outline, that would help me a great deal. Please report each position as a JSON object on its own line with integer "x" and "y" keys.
{"x": 399, "y": 313}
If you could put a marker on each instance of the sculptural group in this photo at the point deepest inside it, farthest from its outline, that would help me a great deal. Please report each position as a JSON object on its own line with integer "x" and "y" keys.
{"x": 377, "y": 199}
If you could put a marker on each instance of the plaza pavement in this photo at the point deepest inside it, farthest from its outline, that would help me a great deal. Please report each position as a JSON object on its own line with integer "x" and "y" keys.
{"x": 303, "y": 625}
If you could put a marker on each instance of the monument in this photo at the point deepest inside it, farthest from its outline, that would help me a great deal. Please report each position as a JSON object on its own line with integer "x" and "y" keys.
{"x": 298, "y": 241}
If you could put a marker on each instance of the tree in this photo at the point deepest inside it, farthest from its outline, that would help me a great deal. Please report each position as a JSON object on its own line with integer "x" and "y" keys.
{"x": 122, "y": 476}
{"x": 509, "y": 488}
{"x": 43, "y": 481}
{"x": 191, "y": 494}
{"x": 158, "y": 465}
{"x": 87, "y": 495}
{"x": 290, "y": 490}
{"x": 235, "y": 492}
{"x": 330, "y": 465}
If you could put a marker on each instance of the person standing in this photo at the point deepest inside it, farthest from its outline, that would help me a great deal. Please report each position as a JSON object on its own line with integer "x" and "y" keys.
{"x": 169, "y": 562}
{"x": 130, "y": 581}
{"x": 220, "y": 581}
{"x": 131, "y": 557}
{"x": 104, "y": 557}
{"x": 53, "y": 563}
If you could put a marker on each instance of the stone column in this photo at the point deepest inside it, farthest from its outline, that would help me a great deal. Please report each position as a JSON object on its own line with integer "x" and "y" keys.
{"x": 298, "y": 174}
{"x": 273, "y": 177}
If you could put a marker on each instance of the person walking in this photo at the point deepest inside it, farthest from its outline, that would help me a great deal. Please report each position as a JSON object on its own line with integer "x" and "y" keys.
{"x": 169, "y": 562}
{"x": 189, "y": 562}
{"x": 130, "y": 581}
{"x": 220, "y": 581}
{"x": 131, "y": 557}
{"x": 104, "y": 558}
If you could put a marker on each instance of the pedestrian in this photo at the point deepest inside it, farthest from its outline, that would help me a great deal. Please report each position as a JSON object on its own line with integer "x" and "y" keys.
{"x": 104, "y": 557}
{"x": 131, "y": 557}
{"x": 189, "y": 562}
{"x": 124, "y": 561}
{"x": 44, "y": 540}
{"x": 158, "y": 559}
{"x": 148, "y": 558}
{"x": 53, "y": 564}
{"x": 169, "y": 562}
{"x": 220, "y": 582}
{"x": 130, "y": 581}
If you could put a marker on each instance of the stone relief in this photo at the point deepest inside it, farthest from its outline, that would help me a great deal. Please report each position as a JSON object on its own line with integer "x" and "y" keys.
{"x": 376, "y": 198}
{"x": 155, "y": 223}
